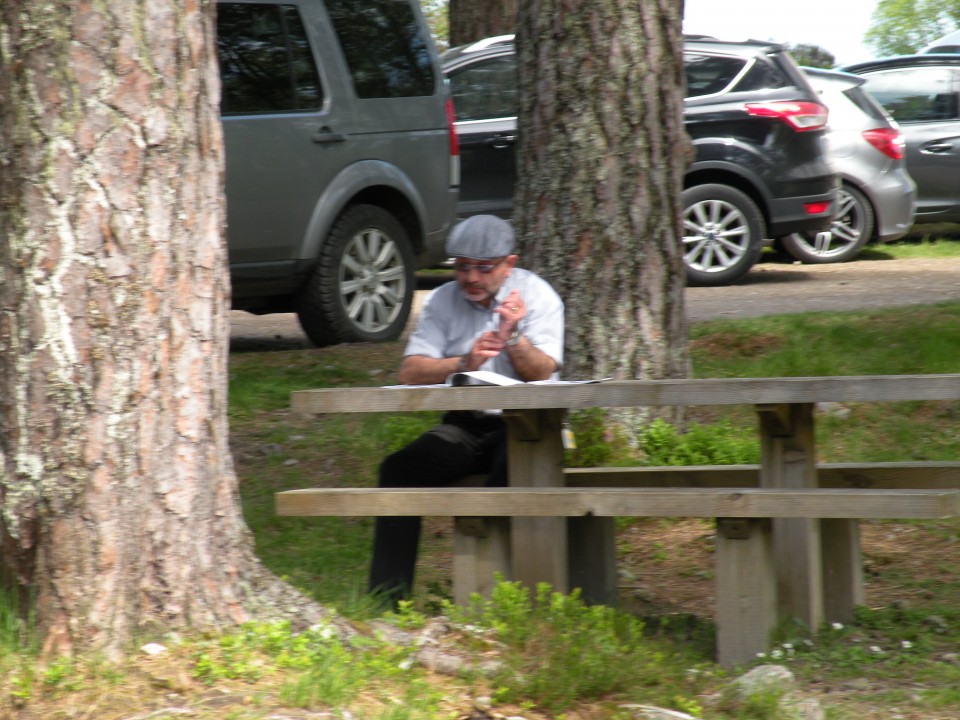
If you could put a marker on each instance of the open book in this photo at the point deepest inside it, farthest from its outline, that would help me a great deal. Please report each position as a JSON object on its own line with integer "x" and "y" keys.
{"x": 486, "y": 377}
{"x": 479, "y": 377}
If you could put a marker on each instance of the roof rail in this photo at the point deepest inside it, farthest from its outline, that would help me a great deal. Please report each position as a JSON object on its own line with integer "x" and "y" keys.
{"x": 489, "y": 42}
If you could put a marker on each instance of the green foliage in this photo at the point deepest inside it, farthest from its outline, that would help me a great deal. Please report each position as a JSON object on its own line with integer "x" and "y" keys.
{"x": 438, "y": 19}
{"x": 317, "y": 668}
{"x": 874, "y": 342}
{"x": 16, "y": 631}
{"x": 559, "y": 650}
{"x": 901, "y": 27}
{"x": 598, "y": 443}
{"x": 406, "y": 617}
{"x": 397, "y": 431}
{"x": 61, "y": 673}
{"x": 812, "y": 56}
{"x": 543, "y": 659}
{"x": 929, "y": 241}
{"x": 718, "y": 444}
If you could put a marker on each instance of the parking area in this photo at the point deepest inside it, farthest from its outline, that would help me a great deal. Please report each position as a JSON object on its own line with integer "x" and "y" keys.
{"x": 770, "y": 288}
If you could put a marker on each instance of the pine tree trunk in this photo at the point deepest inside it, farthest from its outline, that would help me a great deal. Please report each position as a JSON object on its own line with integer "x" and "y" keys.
{"x": 120, "y": 511}
{"x": 600, "y": 169}
{"x": 472, "y": 20}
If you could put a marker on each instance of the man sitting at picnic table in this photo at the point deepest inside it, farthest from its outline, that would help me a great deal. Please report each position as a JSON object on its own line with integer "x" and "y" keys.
{"x": 494, "y": 316}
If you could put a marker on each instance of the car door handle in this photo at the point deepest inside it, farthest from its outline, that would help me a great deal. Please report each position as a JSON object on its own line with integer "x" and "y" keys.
{"x": 325, "y": 135}
{"x": 502, "y": 141}
{"x": 936, "y": 148}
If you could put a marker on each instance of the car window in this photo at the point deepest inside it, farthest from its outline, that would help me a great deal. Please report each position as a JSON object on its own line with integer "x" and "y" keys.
{"x": 913, "y": 95}
{"x": 485, "y": 89}
{"x": 266, "y": 65}
{"x": 761, "y": 75}
{"x": 708, "y": 74}
{"x": 385, "y": 46}
{"x": 867, "y": 105}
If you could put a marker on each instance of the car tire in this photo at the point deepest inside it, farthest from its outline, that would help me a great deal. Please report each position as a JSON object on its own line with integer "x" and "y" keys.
{"x": 361, "y": 289}
{"x": 849, "y": 232}
{"x": 722, "y": 234}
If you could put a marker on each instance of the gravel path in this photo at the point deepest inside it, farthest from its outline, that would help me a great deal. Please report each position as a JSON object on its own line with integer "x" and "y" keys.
{"x": 770, "y": 288}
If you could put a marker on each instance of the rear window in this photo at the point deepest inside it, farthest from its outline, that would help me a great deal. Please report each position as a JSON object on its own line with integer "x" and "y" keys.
{"x": 914, "y": 95}
{"x": 708, "y": 74}
{"x": 266, "y": 64}
{"x": 385, "y": 46}
{"x": 762, "y": 75}
{"x": 867, "y": 105}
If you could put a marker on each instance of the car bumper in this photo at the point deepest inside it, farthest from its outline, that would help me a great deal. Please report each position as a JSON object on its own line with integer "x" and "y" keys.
{"x": 791, "y": 214}
{"x": 894, "y": 198}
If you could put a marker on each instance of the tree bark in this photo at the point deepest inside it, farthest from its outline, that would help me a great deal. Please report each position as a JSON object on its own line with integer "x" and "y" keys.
{"x": 601, "y": 161}
{"x": 472, "y": 20}
{"x": 120, "y": 511}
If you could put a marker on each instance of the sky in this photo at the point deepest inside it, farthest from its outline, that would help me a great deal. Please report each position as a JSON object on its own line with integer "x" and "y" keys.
{"x": 837, "y": 26}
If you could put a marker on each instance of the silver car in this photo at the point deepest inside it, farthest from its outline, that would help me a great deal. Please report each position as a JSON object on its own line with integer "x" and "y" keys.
{"x": 866, "y": 147}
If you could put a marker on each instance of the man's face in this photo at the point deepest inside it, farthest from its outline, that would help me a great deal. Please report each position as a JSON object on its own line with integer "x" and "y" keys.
{"x": 479, "y": 280}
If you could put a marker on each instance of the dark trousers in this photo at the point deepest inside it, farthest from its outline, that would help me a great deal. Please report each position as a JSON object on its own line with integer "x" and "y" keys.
{"x": 464, "y": 444}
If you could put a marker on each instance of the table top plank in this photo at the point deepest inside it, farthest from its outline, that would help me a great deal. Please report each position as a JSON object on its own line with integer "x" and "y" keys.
{"x": 631, "y": 393}
{"x": 617, "y": 502}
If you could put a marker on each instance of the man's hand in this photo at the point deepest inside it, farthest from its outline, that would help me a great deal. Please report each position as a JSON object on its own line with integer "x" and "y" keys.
{"x": 511, "y": 311}
{"x": 486, "y": 346}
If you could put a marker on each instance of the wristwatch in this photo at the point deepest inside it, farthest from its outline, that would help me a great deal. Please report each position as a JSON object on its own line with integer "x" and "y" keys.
{"x": 514, "y": 338}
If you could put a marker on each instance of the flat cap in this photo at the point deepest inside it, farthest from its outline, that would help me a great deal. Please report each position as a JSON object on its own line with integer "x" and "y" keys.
{"x": 481, "y": 237}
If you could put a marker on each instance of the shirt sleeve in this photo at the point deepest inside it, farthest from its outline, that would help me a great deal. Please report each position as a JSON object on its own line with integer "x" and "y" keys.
{"x": 429, "y": 336}
{"x": 543, "y": 326}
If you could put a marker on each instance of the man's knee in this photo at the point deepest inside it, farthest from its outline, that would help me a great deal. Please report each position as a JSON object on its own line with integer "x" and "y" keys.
{"x": 394, "y": 470}
{"x": 436, "y": 458}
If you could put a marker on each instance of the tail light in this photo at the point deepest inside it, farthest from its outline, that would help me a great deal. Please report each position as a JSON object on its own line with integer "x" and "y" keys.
{"x": 887, "y": 140}
{"x": 451, "y": 131}
{"x": 454, "y": 145}
{"x": 801, "y": 116}
{"x": 816, "y": 208}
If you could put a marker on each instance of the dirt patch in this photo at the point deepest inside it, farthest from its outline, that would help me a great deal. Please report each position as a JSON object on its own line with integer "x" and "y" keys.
{"x": 727, "y": 346}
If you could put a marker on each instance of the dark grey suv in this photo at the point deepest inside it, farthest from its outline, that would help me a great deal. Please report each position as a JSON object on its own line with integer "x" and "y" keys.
{"x": 342, "y": 165}
{"x": 922, "y": 93}
{"x": 756, "y": 124}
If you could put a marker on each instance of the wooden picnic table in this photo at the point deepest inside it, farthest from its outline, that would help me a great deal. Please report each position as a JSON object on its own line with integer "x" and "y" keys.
{"x": 812, "y": 554}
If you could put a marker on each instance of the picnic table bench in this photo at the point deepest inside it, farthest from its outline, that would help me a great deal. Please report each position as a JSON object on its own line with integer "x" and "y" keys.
{"x": 787, "y": 529}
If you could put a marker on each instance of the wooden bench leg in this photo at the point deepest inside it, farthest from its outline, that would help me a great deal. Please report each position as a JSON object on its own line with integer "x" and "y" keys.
{"x": 746, "y": 589}
{"x": 842, "y": 569}
{"x": 481, "y": 549}
{"x": 799, "y": 552}
{"x": 535, "y": 459}
{"x": 788, "y": 460}
{"x": 592, "y": 554}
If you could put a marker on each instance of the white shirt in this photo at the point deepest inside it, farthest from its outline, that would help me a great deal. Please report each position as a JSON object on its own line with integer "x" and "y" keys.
{"x": 449, "y": 323}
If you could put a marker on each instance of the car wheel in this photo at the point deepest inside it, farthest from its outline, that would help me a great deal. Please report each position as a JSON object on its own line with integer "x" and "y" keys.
{"x": 849, "y": 232}
{"x": 722, "y": 234}
{"x": 362, "y": 287}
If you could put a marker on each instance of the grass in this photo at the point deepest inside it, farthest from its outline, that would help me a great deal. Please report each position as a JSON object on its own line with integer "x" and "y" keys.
{"x": 924, "y": 241}
{"x": 894, "y": 341}
{"x": 551, "y": 656}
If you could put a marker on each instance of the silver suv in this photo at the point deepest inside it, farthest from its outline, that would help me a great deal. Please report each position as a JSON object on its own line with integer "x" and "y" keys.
{"x": 342, "y": 163}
